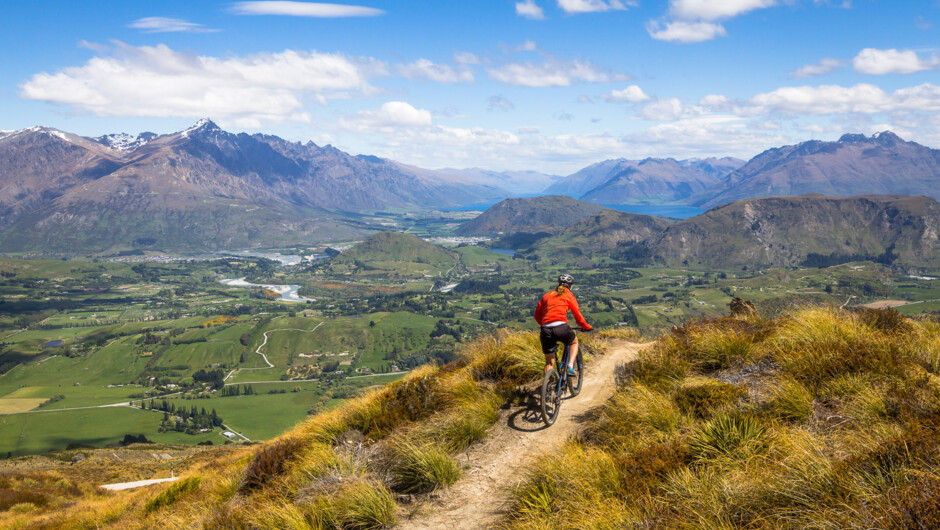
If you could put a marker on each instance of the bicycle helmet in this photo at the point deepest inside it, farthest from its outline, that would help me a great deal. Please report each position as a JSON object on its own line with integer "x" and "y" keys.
{"x": 566, "y": 279}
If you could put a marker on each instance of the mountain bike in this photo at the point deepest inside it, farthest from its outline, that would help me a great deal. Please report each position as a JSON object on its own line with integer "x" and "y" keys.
{"x": 556, "y": 383}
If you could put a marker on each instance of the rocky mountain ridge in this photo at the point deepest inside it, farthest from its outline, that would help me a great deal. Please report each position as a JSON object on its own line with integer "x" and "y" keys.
{"x": 198, "y": 189}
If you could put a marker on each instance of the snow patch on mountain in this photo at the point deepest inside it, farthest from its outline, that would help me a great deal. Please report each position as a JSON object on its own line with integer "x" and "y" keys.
{"x": 124, "y": 141}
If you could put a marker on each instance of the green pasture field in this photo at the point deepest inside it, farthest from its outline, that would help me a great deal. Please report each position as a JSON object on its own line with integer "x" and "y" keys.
{"x": 33, "y": 433}
{"x": 75, "y": 396}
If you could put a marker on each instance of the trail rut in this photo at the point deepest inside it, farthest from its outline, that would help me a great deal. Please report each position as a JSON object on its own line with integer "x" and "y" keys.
{"x": 496, "y": 465}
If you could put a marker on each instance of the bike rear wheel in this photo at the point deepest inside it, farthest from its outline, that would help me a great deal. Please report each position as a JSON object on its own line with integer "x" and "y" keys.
{"x": 574, "y": 381}
{"x": 551, "y": 397}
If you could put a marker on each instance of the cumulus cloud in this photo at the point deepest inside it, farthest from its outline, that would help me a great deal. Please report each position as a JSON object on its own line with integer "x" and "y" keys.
{"x": 670, "y": 109}
{"x": 303, "y": 9}
{"x": 160, "y": 82}
{"x": 685, "y": 31}
{"x": 593, "y": 6}
{"x": 714, "y": 9}
{"x": 553, "y": 72}
{"x": 880, "y": 62}
{"x": 168, "y": 25}
{"x": 500, "y": 102}
{"x": 862, "y": 98}
{"x": 442, "y": 73}
{"x": 632, "y": 93}
{"x": 823, "y": 67}
{"x": 391, "y": 115}
{"x": 529, "y": 9}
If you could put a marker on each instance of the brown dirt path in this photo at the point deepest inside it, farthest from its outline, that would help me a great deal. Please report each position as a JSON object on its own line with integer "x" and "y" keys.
{"x": 499, "y": 463}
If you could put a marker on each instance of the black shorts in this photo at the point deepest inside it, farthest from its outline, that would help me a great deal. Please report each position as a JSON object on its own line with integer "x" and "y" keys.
{"x": 550, "y": 337}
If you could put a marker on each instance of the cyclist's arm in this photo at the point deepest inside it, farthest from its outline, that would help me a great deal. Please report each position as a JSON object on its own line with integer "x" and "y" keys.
{"x": 576, "y": 311}
{"x": 540, "y": 310}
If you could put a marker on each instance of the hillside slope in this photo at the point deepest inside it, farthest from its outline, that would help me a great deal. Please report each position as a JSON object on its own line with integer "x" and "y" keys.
{"x": 396, "y": 248}
{"x": 607, "y": 232}
{"x": 550, "y": 214}
{"x": 784, "y": 231}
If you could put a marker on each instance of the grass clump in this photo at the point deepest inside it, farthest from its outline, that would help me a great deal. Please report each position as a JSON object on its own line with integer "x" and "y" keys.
{"x": 701, "y": 397}
{"x": 729, "y": 435}
{"x": 792, "y": 401}
{"x": 421, "y": 468}
{"x": 173, "y": 493}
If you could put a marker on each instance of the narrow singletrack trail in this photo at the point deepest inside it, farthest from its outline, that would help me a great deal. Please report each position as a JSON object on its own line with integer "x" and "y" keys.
{"x": 499, "y": 463}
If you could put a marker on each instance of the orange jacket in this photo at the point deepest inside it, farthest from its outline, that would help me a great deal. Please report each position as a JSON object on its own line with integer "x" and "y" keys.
{"x": 553, "y": 307}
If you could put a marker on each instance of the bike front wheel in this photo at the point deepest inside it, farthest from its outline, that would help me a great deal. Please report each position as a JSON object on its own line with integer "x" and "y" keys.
{"x": 551, "y": 397}
{"x": 575, "y": 381}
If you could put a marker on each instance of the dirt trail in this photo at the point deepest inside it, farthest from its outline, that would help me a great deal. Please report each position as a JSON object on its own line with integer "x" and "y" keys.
{"x": 498, "y": 463}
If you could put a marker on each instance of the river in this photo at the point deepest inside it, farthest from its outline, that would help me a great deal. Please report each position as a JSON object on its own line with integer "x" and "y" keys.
{"x": 288, "y": 292}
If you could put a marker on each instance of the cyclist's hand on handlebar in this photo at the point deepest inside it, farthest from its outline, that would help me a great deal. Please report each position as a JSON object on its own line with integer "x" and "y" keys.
{"x": 586, "y": 330}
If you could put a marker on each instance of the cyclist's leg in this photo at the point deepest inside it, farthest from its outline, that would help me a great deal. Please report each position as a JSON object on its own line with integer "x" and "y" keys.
{"x": 549, "y": 345}
{"x": 574, "y": 352}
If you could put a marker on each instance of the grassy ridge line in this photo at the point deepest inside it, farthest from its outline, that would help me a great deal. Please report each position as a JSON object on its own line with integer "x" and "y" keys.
{"x": 818, "y": 419}
{"x": 341, "y": 469}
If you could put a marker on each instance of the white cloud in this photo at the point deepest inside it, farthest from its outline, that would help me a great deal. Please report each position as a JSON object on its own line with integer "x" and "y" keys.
{"x": 670, "y": 109}
{"x": 879, "y": 62}
{"x": 632, "y": 93}
{"x": 467, "y": 58}
{"x": 684, "y": 31}
{"x": 160, "y": 82}
{"x": 834, "y": 99}
{"x": 529, "y": 9}
{"x": 553, "y": 72}
{"x": 823, "y": 67}
{"x": 442, "y": 73}
{"x": 527, "y": 46}
{"x": 593, "y": 6}
{"x": 167, "y": 25}
{"x": 715, "y": 9}
{"x": 500, "y": 102}
{"x": 303, "y": 9}
{"x": 392, "y": 115}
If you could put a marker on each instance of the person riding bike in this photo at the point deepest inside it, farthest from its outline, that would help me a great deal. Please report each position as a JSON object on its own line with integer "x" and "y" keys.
{"x": 552, "y": 315}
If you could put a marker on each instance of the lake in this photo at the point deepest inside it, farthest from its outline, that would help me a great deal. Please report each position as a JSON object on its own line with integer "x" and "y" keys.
{"x": 675, "y": 211}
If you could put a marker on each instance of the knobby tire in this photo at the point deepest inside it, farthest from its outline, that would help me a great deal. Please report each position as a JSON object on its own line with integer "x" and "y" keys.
{"x": 575, "y": 382}
{"x": 551, "y": 398}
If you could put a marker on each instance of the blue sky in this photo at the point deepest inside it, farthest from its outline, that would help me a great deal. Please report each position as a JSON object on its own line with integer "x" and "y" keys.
{"x": 547, "y": 85}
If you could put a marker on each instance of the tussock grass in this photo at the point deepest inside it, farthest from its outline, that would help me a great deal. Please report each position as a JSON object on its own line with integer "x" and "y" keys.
{"x": 791, "y": 401}
{"x": 421, "y": 468}
{"x": 818, "y": 419}
{"x": 173, "y": 493}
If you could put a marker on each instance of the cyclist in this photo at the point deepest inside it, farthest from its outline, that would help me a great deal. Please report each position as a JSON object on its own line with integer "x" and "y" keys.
{"x": 552, "y": 315}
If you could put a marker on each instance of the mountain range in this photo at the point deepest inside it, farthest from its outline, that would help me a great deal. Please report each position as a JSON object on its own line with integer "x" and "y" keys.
{"x": 207, "y": 189}
{"x": 652, "y": 180}
{"x": 853, "y": 165}
{"x": 198, "y": 189}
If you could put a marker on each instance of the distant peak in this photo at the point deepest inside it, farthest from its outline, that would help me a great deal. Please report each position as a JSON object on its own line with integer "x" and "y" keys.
{"x": 203, "y": 125}
{"x": 852, "y": 138}
{"x": 882, "y": 137}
